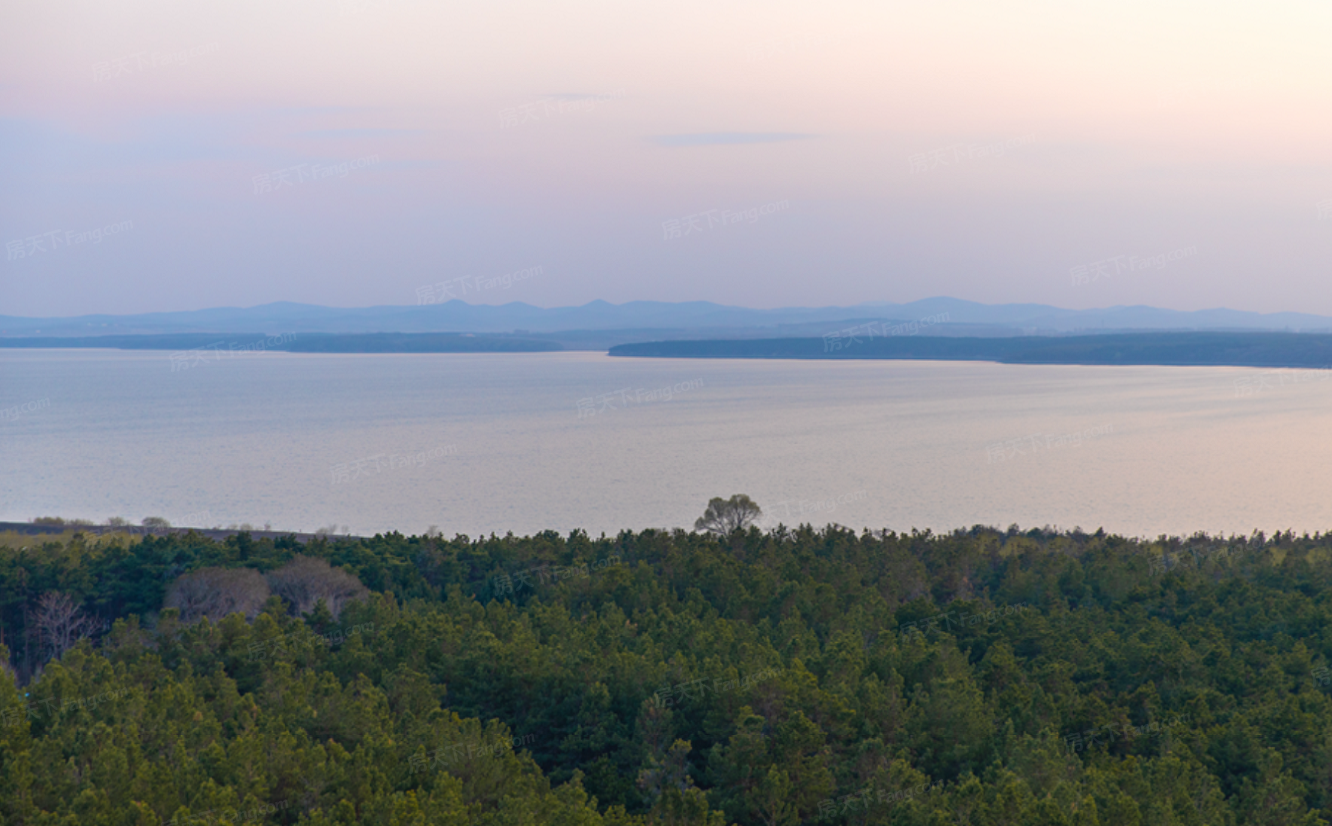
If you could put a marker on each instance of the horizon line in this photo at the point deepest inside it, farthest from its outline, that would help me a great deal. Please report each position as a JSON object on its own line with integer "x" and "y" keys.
{"x": 598, "y": 301}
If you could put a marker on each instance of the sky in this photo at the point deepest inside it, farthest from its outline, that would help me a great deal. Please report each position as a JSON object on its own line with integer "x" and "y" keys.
{"x": 179, "y": 155}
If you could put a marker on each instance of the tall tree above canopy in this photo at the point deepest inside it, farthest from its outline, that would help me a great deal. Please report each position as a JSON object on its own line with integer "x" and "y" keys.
{"x": 725, "y": 516}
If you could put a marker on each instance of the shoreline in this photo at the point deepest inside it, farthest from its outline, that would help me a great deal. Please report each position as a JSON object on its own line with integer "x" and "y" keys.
{"x": 1180, "y": 349}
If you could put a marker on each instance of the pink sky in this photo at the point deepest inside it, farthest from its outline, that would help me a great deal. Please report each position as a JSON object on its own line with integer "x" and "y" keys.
{"x": 977, "y": 150}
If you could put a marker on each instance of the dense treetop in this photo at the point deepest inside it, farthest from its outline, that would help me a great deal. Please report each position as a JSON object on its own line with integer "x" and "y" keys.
{"x": 781, "y": 677}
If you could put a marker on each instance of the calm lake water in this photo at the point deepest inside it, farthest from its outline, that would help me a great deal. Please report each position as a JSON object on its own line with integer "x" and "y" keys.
{"x": 525, "y": 442}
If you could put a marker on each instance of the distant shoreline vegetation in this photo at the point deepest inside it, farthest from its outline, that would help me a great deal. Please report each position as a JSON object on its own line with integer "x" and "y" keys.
{"x": 1181, "y": 349}
{"x": 59, "y": 529}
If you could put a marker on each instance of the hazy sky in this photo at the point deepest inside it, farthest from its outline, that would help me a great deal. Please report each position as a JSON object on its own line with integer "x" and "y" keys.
{"x": 756, "y": 153}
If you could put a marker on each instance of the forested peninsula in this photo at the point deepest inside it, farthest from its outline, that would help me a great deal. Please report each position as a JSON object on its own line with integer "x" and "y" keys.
{"x": 1180, "y": 348}
{"x": 788, "y": 676}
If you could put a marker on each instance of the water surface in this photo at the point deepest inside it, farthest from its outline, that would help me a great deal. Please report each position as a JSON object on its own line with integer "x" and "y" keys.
{"x": 481, "y": 443}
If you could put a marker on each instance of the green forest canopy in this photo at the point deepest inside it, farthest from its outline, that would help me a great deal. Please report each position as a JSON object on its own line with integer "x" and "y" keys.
{"x": 781, "y": 677}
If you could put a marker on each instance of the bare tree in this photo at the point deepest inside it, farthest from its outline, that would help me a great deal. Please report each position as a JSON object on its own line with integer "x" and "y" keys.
{"x": 305, "y": 580}
{"x": 724, "y": 516}
{"x": 217, "y": 592}
{"x": 155, "y": 523}
{"x": 59, "y": 622}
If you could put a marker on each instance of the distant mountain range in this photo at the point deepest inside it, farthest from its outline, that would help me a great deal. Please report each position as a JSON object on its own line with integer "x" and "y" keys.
{"x": 599, "y": 324}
